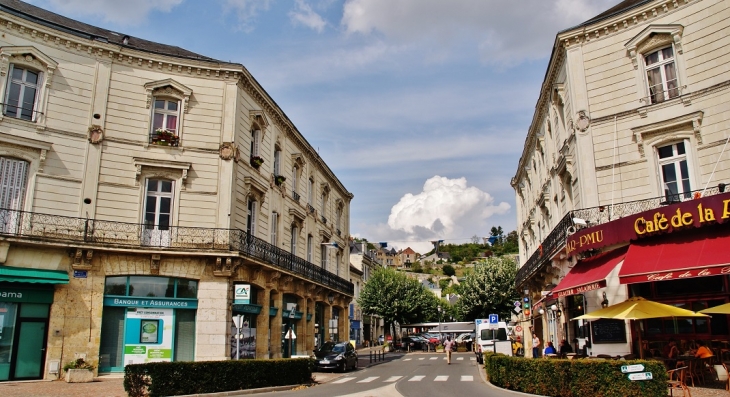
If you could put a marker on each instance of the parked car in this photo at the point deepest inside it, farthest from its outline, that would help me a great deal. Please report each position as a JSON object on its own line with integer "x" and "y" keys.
{"x": 432, "y": 338}
{"x": 412, "y": 343}
{"x": 336, "y": 356}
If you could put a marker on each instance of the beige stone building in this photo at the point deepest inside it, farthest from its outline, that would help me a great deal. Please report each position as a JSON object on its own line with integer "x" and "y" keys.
{"x": 630, "y": 127}
{"x": 149, "y": 196}
{"x": 364, "y": 328}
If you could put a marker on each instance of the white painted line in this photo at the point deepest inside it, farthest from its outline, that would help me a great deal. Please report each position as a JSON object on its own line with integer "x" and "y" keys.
{"x": 473, "y": 359}
{"x": 392, "y": 379}
{"x": 421, "y": 358}
{"x": 343, "y": 380}
{"x": 441, "y": 378}
{"x": 459, "y": 358}
{"x": 407, "y": 359}
{"x": 467, "y": 378}
{"x": 444, "y": 358}
{"x": 433, "y": 358}
{"x": 368, "y": 379}
{"x": 417, "y": 378}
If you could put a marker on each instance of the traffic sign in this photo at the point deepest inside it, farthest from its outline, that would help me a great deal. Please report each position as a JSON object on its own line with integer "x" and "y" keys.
{"x": 641, "y": 376}
{"x": 632, "y": 368}
{"x": 518, "y": 328}
{"x": 518, "y": 303}
{"x": 493, "y": 321}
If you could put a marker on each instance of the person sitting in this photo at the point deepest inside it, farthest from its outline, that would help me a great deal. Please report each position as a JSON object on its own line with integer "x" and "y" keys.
{"x": 671, "y": 353}
{"x": 517, "y": 348}
{"x": 550, "y": 349}
{"x": 565, "y": 348}
{"x": 703, "y": 351}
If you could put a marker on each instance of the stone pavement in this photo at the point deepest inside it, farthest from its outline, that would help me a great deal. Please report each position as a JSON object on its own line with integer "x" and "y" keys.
{"x": 111, "y": 385}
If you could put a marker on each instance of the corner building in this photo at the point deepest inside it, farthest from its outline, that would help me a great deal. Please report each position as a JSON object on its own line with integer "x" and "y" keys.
{"x": 140, "y": 183}
{"x": 621, "y": 186}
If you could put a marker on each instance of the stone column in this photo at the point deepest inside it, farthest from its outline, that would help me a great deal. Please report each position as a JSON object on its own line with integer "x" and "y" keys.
{"x": 278, "y": 299}
{"x": 213, "y": 325}
{"x": 343, "y": 325}
{"x": 302, "y": 334}
{"x": 327, "y": 316}
{"x": 309, "y": 341}
{"x": 262, "y": 324}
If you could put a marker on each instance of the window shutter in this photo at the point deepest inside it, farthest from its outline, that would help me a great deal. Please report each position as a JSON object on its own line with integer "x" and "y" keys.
{"x": 294, "y": 179}
{"x": 184, "y": 335}
{"x": 256, "y": 139}
{"x": 13, "y": 175}
{"x": 274, "y": 219}
{"x": 37, "y": 99}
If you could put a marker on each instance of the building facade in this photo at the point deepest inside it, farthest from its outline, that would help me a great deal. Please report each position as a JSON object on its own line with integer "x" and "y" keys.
{"x": 364, "y": 262}
{"x": 629, "y": 134}
{"x": 143, "y": 186}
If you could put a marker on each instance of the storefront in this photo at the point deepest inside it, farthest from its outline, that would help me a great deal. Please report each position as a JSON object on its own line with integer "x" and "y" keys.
{"x": 245, "y": 312}
{"x": 291, "y": 326}
{"x": 146, "y": 319}
{"x": 26, "y": 296}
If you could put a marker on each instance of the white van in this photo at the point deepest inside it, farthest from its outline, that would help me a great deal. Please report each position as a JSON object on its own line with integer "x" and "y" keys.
{"x": 494, "y": 340}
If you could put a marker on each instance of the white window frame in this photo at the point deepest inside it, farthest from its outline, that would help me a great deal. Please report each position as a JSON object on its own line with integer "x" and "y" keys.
{"x": 277, "y": 162}
{"x": 29, "y": 58}
{"x": 661, "y": 65}
{"x": 255, "y": 142}
{"x": 24, "y": 86}
{"x": 251, "y": 208}
{"x": 168, "y": 90}
{"x": 13, "y": 187}
{"x": 310, "y": 193}
{"x": 676, "y": 159}
{"x": 323, "y": 254}
{"x": 293, "y": 243}
{"x": 153, "y": 234}
{"x": 337, "y": 263}
{"x": 165, "y": 114}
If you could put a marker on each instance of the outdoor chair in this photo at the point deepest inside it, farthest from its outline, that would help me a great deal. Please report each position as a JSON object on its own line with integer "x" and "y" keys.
{"x": 676, "y": 381}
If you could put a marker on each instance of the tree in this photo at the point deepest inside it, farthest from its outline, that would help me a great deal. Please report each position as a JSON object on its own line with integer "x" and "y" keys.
{"x": 448, "y": 270}
{"x": 397, "y": 298}
{"x": 489, "y": 289}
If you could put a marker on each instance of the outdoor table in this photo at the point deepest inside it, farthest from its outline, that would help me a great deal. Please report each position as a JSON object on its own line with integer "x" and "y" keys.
{"x": 692, "y": 363}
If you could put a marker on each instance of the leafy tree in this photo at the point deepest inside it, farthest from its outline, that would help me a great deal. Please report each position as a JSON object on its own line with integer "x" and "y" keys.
{"x": 444, "y": 283}
{"x": 416, "y": 267}
{"x": 489, "y": 289}
{"x": 448, "y": 270}
{"x": 397, "y": 298}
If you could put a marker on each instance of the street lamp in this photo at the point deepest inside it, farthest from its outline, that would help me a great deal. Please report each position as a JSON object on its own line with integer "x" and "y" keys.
{"x": 439, "y": 309}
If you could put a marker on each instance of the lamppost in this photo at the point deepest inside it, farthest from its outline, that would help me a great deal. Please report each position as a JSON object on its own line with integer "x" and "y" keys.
{"x": 439, "y": 309}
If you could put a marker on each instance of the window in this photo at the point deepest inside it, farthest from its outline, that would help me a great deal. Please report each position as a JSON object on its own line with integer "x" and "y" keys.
{"x": 274, "y": 226}
{"x": 337, "y": 264}
{"x": 661, "y": 75}
{"x": 309, "y": 248}
{"x": 255, "y": 137}
{"x": 339, "y": 218}
{"x": 294, "y": 179}
{"x": 251, "y": 218}
{"x": 310, "y": 192}
{"x": 674, "y": 171}
{"x": 165, "y": 118}
{"x": 23, "y": 86}
{"x": 277, "y": 162}
{"x": 324, "y": 203}
{"x": 294, "y": 231}
{"x": 323, "y": 254}
{"x": 158, "y": 212}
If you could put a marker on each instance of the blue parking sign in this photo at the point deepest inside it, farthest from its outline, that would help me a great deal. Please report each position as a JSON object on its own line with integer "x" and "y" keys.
{"x": 493, "y": 319}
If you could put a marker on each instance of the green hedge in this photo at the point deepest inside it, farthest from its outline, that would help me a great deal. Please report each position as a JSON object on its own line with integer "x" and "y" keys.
{"x": 178, "y": 378}
{"x": 573, "y": 378}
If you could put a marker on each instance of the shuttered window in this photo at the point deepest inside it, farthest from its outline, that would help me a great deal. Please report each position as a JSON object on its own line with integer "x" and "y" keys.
{"x": 184, "y": 335}
{"x": 13, "y": 176}
{"x": 274, "y": 227}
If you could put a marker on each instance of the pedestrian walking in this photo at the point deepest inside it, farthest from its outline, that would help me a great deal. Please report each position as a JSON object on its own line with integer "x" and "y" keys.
{"x": 535, "y": 346}
{"x": 448, "y": 346}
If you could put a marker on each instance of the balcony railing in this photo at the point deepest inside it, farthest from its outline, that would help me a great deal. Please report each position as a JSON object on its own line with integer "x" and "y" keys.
{"x": 295, "y": 196}
{"x": 57, "y": 228}
{"x": 555, "y": 241}
{"x": 324, "y": 220}
{"x": 310, "y": 208}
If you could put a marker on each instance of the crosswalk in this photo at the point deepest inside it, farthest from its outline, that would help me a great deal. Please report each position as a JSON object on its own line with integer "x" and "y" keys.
{"x": 436, "y": 358}
{"x": 414, "y": 378}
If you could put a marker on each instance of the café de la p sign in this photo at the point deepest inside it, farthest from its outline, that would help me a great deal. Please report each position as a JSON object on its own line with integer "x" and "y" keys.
{"x": 679, "y": 241}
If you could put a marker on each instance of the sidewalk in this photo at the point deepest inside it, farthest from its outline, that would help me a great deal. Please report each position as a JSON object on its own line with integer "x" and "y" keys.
{"x": 111, "y": 385}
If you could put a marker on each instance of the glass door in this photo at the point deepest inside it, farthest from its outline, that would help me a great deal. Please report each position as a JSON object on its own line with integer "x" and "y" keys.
{"x": 158, "y": 213}
{"x": 30, "y": 354}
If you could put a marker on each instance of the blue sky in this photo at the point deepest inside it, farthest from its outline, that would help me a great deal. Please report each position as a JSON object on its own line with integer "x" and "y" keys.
{"x": 420, "y": 107}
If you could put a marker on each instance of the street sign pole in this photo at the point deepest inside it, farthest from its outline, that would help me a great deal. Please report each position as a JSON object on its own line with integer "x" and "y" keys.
{"x": 237, "y": 322}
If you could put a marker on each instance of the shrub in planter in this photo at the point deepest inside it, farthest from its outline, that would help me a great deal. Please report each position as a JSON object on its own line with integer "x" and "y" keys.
{"x": 79, "y": 371}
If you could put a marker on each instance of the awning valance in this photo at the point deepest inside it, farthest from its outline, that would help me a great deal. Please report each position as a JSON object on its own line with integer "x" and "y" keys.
{"x": 40, "y": 276}
{"x": 698, "y": 253}
{"x": 589, "y": 274}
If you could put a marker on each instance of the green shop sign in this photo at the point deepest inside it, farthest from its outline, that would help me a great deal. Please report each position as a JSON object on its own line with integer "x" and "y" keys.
{"x": 167, "y": 303}
{"x": 249, "y": 308}
{"x": 25, "y": 295}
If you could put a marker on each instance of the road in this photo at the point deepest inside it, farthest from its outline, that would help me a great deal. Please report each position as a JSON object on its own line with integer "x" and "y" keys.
{"x": 408, "y": 375}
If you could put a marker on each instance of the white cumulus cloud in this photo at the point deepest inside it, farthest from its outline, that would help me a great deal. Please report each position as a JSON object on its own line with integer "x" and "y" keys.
{"x": 127, "y": 12}
{"x": 304, "y": 15}
{"x": 446, "y": 208}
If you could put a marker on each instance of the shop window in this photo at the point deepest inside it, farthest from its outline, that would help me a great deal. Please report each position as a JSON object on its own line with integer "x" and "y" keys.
{"x": 186, "y": 288}
{"x": 152, "y": 287}
{"x": 116, "y": 286}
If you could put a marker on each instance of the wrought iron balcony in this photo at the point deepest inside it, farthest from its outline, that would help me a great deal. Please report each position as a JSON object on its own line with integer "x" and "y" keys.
{"x": 295, "y": 196}
{"x": 310, "y": 208}
{"x": 555, "y": 241}
{"x": 55, "y": 228}
{"x": 324, "y": 220}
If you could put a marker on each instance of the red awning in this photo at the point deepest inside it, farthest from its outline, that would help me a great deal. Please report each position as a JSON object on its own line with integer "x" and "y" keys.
{"x": 589, "y": 274}
{"x": 697, "y": 253}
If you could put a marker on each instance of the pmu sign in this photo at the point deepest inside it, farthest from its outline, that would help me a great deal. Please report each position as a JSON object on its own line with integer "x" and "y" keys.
{"x": 242, "y": 294}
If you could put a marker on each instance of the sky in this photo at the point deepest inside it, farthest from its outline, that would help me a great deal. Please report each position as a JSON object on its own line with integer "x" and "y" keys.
{"x": 419, "y": 107}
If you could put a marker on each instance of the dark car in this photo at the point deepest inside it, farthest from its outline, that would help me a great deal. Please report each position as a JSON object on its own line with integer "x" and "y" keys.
{"x": 336, "y": 356}
{"x": 412, "y": 343}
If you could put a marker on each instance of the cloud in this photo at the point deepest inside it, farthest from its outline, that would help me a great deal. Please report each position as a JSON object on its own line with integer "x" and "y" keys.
{"x": 246, "y": 11}
{"x": 503, "y": 32}
{"x": 304, "y": 15}
{"x": 446, "y": 208}
{"x": 127, "y": 12}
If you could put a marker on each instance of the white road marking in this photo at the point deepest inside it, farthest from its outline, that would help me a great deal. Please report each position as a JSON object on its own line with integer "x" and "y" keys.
{"x": 343, "y": 380}
{"x": 368, "y": 379}
{"x": 433, "y": 358}
{"x": 417, "y": 378}
{"x": 473, "y": 359}
{"x": 441, "y": 378}
{"x": 467, "y": 378}
{"x": 459, "y": 358}
{"x": 407, "y": 359}
{"x": 392, "y": 379}
{"x": 422, "y": 358}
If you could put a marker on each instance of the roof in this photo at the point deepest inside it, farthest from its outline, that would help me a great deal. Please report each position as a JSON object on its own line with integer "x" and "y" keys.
{"x": 408, "y": 251}
{"x": 617, "y": 9}
{"x": 38, "y": 15}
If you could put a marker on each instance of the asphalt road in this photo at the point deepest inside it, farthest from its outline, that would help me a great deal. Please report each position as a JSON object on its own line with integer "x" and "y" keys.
{"x": 408, "y": 375}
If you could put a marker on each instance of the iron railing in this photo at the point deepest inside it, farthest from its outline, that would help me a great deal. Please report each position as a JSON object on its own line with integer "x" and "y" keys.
{"x": 295, "y": 196}
{"x": 597, "y": 216}
{"x": 119, "y": 234}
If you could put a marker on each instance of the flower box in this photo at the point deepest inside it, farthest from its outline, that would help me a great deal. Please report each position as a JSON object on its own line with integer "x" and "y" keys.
{"x": 163, "y": 137}
{"x": 256, "y": 161}
{"x": 79, "y": 376}
{"x": 279, "y": 180}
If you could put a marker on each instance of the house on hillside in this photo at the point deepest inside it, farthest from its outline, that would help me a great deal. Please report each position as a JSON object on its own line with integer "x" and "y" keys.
{"x": 621, "y": 188}
{"x": 150, "y": 195}
{"x": 408, "y": 257}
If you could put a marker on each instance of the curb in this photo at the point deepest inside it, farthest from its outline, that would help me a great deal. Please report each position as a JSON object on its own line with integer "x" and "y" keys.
{"x": 483, "y": 374}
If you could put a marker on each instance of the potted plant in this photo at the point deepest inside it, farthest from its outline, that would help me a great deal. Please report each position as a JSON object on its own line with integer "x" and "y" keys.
{"x": 164, "y": 137}
{"x": 79, "y": 371}
{"x": 256, "y": 161}
{"x": 440, "y": 348}
{"x": 279, "y": 179}
{"x": 386, "y": 347}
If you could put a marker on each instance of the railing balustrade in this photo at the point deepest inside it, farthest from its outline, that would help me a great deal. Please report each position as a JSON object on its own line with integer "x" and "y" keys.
{"x": 92, "y": 231}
